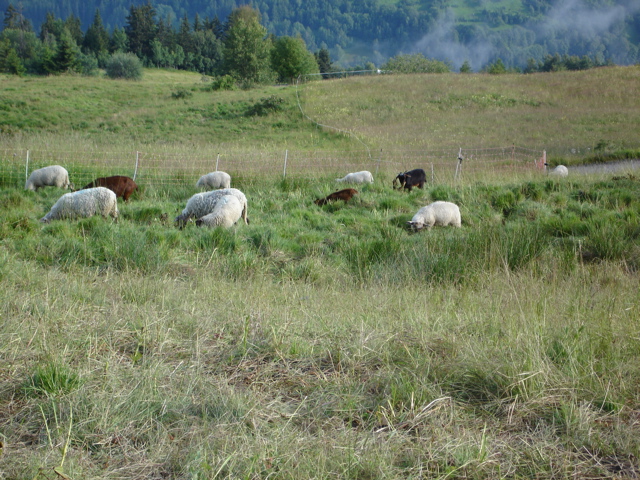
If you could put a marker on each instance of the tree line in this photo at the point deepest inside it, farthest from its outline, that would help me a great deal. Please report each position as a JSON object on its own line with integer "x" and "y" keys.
{"x": 239, "y": 47}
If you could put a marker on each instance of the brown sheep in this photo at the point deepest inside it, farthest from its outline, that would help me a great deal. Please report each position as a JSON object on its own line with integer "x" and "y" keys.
{"x": 122, "y": 186}
{"x": 345, "y": 195}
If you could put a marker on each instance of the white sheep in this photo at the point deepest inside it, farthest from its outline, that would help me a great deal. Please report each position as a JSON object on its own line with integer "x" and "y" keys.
{"x": 202, "y": 204}
{"x": 559, "y": 171}
{"x": 51, "y": 176}
{"x": 226, "y": 213}
{"x": 357, "y": 177}
{"x": 84, "y": 203}
{"x": 436, "y": 213}
{"x": 215, "y": 179}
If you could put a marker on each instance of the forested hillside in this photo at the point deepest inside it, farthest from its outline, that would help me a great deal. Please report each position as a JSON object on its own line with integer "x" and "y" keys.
{"x": 454, "y": 31}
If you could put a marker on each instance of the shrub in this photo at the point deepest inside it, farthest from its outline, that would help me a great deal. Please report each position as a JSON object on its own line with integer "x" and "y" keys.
{"x": 124, "y": 65}
{"x": 181, "y": 93}
{"x": 225, "y": 82}
{"x": 265, "y": 106}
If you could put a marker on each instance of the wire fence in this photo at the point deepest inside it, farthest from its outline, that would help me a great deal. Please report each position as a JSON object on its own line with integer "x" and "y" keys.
{"x": 169, "y": 169}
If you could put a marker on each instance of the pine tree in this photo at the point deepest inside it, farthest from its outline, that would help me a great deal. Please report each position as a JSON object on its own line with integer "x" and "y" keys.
{"x": 141, "y": 29}
{"x": 73, "y": 25}
{"x": 184, "y": 35}
{"x": 96, "y": 39}
{"x": 324, "y": 61}
{"x": 65, "y": 58}
{"x": 118, "y": 41}
{"x": 51, "y": 29}
{"x": 15, "y": 20}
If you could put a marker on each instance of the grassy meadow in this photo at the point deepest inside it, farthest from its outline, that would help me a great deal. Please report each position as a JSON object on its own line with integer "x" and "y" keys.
{"x": 568, "y": 114}
{"x": 318, "y": 342}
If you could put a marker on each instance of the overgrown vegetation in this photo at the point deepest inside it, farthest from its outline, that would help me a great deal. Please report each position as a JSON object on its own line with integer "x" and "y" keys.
{"x": 326, "y": 342}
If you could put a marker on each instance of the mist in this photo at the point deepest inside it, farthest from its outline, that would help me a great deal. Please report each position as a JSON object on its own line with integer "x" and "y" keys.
{"x": 558, "y": 31}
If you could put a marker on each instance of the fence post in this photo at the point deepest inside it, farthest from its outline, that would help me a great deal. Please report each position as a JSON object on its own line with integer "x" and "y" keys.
{"x": 378, "y": 164}
{"x": 135, "y": 172}
{"x": 459, "y": 165}
{"x": 433, "y": 176}
{"x": 26, "y": 171}
{"x": 284, "y": 172}
{"x": 217, "y": 161}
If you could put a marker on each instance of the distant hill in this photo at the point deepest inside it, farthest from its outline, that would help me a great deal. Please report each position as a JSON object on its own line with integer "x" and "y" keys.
{"x": 359, "y": 31}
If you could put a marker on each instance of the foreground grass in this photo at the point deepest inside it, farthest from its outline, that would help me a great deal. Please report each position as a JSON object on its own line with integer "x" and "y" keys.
{"x": 325, "y": 342}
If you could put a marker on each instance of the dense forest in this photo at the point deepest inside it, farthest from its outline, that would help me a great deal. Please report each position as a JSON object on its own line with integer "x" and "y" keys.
{"x": 478, "y": 32}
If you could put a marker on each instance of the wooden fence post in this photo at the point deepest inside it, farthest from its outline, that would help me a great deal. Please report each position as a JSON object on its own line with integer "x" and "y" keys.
{"x": 284, "y": 173}
{"x": 135, "y": 172}
{"x": 26, "y": 172}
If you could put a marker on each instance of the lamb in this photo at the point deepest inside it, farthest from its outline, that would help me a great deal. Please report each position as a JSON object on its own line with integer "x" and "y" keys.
{"x": 51, "y": 176}
{"x": 559, "y": 171}
{"x": 214, "y": 180}
{"x": 436, "y": 213}
{"x": 226, "y": 213}
{"x": 122, "y": 186}
{"x": 202, "y": 204}
{"x": 357, "y": 177}
{"x": 84, "y": 203}
{"x": 345, "y": 195}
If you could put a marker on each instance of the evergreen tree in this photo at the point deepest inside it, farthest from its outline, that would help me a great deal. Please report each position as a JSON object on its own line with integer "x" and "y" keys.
{"x": 141, "y": 30}
{"x": 9, "y": 60}
{"x": 197, "y": 26}
{"x": 73, "y": 25}
{"x": 290, "y": 59}
{"x": 465, "y": 67}
{"x": 184, "y": 35}
{"x": 246, "y": 47}
{"x": 165, "y": 34}
{"x": 65, "y": 58}
{"x": 15, "y": 20}
{"x": 324, "y": 61}
{"x": 96, "y": 39}
{"x": 51, "y": 29}
{"x": 118, "y": 41}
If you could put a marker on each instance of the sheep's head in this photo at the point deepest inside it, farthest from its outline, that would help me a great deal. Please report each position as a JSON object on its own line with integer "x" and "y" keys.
{"x": 182, "y": 219}
{"x": 415, "y": 226}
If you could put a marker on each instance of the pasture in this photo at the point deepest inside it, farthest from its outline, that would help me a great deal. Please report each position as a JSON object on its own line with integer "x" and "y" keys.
{"x": 325, "y": 342}
{"x": 329, "y": 341}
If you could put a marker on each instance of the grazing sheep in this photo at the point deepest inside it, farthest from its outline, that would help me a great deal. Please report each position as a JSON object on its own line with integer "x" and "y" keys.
{"x": 84, "y": 203}
{"x": 357, "y": 177}
{"x": 409, "y": 179}
{"x": 436, "y": 213}
{"x": 226, "y": 213}
{"x": 202, "y": 204}
{"x": 52, "y": 176}
{"x": 345, "y": 195}
{"x": 120, "y": 185}
{"x": 214, "y": 180}
{"x": 559, "y": 171}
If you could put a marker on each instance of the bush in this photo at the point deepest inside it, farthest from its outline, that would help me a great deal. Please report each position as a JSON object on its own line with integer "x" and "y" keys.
{"x": 181, "y": 93}
{"x": 265, "y": 106}
{"x": 225, "y": 82}
{"x": 124, "y": 65}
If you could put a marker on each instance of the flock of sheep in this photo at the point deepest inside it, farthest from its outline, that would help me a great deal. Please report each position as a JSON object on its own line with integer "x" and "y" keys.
{"x": 221, "y": 205}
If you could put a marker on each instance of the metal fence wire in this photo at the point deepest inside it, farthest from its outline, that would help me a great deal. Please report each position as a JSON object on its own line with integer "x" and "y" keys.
{"x": 170, "y": 169}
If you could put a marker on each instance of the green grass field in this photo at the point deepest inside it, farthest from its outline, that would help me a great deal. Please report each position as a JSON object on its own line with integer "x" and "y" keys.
{"x": 320, "y": 342}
